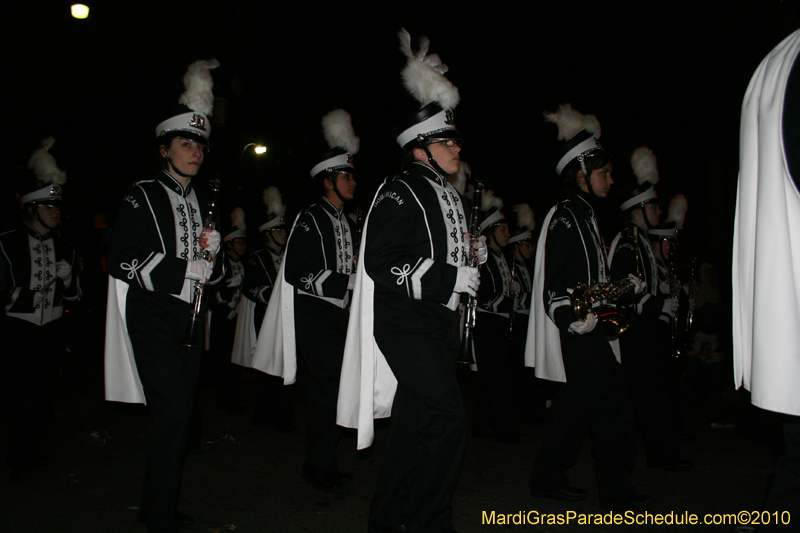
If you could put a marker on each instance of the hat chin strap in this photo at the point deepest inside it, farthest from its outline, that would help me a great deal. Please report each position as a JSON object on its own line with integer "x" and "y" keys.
{"x": 174, "y": 168}
{"x": 332, "y": 178}
{"x": 39, "y": 219}
{"x": 587, "y": 178}
{"x": 433, "y": 164}
{"x": 643, "y": 208}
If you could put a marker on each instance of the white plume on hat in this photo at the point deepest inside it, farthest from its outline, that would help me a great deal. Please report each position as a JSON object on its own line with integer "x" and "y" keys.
{"x": 338, "y": 130}
{"x": 677, "y": 210}
{"x": 237, "y": 218}
{"x": 44, "y": 166}
{"x": 459, "y": 179}
{"x": 272, "y": 199}
{"x": 198, "y": 85}
{"x": 570, "y": 122}
{"x": 423, "y": 75}
{"x": 524, "y": 216}
{"x": 489, "y": 200}
{"x": 643, "y": 161}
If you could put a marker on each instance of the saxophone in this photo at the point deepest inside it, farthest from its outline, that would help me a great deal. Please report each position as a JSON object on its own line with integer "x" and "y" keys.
{"x": 613, "y": 320}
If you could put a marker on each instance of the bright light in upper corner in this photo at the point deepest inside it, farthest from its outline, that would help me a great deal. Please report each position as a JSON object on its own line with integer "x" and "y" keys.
{"x": 260, "y": 149}
{"x": 80, "y": 11}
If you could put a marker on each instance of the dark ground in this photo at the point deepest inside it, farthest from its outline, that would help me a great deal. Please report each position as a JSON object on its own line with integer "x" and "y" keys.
{"x": 247, "y": 478}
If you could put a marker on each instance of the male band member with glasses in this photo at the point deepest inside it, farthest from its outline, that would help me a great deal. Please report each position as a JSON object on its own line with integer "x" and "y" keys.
{"x": 404, "y": 327}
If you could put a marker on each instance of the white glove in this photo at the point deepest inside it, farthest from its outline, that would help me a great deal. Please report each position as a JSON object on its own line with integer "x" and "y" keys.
{"x": 583, "y": 327}
{"x": 467, "y": 280}
{"x": 639, "y": 285}
{"x": 64, "y": 271}
{"x": 480, "y": 250}
{"x": 670, "y": 307}
{"x": 663, "y": 287}
{"x": 515, "y": 287}
{"x": 351, "y": 282}
{"x": 234, "y": 281}
{"x": 199, "y": 270}
{"x": 38, "y": 296}
{"x": 210, "y": 239}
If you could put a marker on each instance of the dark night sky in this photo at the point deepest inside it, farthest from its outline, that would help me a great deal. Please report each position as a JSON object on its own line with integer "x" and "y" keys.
{"x": 669, "y": 75}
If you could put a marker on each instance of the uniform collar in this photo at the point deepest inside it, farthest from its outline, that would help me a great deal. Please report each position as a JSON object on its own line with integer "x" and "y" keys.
{"x": 329, "y": 207}
{"x": 584, "y": 203}
{"x": 174, "y": 185}
{"x": 35, "y": 234}
{"x": 429, "y": 173}
{"x": 642, "y": 231}
{"x": 496, "y": 253}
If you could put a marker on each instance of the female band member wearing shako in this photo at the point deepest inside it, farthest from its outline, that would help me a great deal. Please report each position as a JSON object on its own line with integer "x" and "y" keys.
{"x": 571, "y": 251}
{"x": 154, "y": 260}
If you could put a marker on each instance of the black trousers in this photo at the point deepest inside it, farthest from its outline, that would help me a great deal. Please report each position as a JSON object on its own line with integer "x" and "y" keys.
{"x": 227, "y": 376}
{"x": 29, "y": 363}
{"x": 783, "y": 501}
{"x": 321, "y": 330}
{"x": 496, "y": 381}
{"x": 421, "y": 462}
{"x": 653, "y": 389}
{"x": 169, "y": 374}
{"x": 593, "y": 398}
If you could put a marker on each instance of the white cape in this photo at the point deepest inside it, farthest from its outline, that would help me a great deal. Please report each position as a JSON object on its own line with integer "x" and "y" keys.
{"x": 244, "y": 340}
{"x": 367, "y": 385}
{"x": 276, "y": 350}
{"x": 121, "y": 376}
{"x": 766, "y": 245}
{"x": 543, "y": 345}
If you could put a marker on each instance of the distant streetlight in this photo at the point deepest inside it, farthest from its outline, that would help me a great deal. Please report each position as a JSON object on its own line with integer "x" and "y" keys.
{"x": 259, "y": 149}
{"x": 80, "y": 11}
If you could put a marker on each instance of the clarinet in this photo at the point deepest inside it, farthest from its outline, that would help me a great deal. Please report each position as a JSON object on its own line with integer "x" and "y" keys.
{"x": 192, "y": 337}
{"x": 466, "y": 354}
{"x": 513, "y": 314}
{"x": 674, "y": 292}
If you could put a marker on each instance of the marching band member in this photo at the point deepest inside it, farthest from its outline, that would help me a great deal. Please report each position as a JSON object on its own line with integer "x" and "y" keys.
{"x": 563, "y": 348}
{"x": 273, "y": 402}
{"x": 403, "y": 337}
{"x": 38, "y": 276}
{"x": 224, "y": 305}
{"x": 154, "y": 259}
{"x": 318, "y": 267}
{"x": 493, "y": 412}
{"x": 644, "y": 361}
{"x": 766, "y": 248}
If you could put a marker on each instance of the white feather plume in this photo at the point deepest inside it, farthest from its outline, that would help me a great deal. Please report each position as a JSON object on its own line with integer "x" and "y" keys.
{"x": 198, "y": 84}
{"x": 489, "y": 200}
{"x": 424, "y": 74}
{"x": 44, "y": 166}
{"x": 338, "y": 130}
{"x": 571, "y": 122}
{"x": 459, "y": 179}
{"x": 524, "y": 216}
{"x": 237, "y": 218}
{"x": 677, "y": 210}
{"x": 272, "y": 199}
{"x": 643, "y": 161}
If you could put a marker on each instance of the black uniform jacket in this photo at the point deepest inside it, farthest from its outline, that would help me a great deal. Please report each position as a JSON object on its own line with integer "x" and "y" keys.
{"x": 574, "y": 253}
{"x": 319, "y": 256}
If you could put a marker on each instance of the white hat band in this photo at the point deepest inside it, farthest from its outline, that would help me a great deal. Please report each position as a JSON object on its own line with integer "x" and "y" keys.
{"x": 646, "y": 196}
{"x": 583, "y": 147}
{"x": 335, "y": 162}
{"x": 192, "y": 122}
{"x": 435, "y": 124}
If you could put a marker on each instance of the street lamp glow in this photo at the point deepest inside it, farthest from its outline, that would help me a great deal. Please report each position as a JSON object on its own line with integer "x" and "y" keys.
{"x": 80, "y": 11}
{"x": 260, "y": 149}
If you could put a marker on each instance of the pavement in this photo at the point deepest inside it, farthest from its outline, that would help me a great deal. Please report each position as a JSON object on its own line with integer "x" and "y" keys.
{"x": 246, "y": 478}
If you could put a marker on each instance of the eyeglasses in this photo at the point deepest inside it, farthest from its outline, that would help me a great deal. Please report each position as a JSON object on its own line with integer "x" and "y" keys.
{"x": 450, "y": 143}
